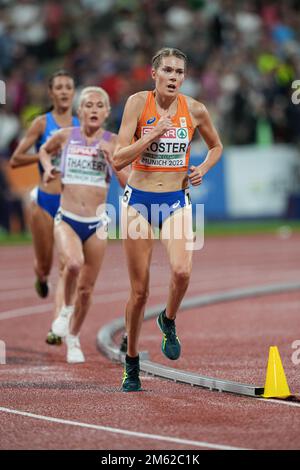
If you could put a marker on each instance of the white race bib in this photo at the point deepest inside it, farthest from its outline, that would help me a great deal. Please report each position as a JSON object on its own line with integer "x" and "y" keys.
{"x": 85, "y": 165}
{"x": 169, "y": 151}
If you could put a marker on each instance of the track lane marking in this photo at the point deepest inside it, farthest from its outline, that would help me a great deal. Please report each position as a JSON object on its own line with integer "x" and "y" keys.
{"x": 280, "y": 402}
{"x": 125, "y": 432}
{"x": 97, "y": 299}
{"x": 121, "y": 295}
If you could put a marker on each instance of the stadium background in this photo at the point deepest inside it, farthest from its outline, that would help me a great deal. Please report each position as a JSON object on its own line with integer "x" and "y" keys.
{"x": 243, "y": 59}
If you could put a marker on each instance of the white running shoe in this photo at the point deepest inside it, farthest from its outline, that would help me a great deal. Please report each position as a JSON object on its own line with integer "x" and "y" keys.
{"x": 60, "y": 326}
{"x": 74, "y": 353}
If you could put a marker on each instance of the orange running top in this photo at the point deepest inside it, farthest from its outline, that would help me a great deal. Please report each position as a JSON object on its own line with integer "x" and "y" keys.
{"x": 171, "y": 151}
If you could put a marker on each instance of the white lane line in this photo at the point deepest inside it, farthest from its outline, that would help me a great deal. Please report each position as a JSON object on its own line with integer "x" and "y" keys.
{"x": 36, "y": 309}
{"x": 19, "y": 312}
{"x": 97, "y": 299}
{"x": 125, "y": 432}
{"x": 18, "y": 285}
{"x": 281, "y": 402}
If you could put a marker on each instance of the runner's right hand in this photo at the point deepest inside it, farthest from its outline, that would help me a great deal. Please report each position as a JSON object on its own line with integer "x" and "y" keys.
{"x": 163, "y": 125}
{"x": 49, "y": 174}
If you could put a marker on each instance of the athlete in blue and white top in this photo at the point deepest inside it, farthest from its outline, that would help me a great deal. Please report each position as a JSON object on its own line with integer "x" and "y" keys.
{"x": 80, "y": 231}
{"x": 45, "y": 199}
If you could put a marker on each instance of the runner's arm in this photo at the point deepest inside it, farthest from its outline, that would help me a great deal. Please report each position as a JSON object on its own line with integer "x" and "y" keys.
{"x": 122, "y": 175}
{"x": 21, "y": 157}
{"x": 50, "y": 148}
{"x": 211, "y": 137}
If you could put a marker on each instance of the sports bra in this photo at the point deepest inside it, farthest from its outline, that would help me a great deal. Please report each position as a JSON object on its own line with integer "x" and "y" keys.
{"x": 85, "y": 164}
{"x": 171, "y": 151}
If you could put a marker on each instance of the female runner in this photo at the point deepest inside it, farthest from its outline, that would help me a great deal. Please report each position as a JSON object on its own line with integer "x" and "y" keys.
{"x": 155, "y": 136}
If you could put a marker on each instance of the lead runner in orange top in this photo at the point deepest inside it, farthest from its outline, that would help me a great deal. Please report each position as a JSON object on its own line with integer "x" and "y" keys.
{"x": 155, "y": 136}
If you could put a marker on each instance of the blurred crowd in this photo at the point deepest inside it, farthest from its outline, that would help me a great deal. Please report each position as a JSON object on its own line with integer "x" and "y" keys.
{"x": 243, "y": 58}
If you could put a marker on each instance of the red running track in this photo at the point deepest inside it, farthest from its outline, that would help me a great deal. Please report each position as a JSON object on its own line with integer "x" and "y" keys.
{"x": 229, "y": 340}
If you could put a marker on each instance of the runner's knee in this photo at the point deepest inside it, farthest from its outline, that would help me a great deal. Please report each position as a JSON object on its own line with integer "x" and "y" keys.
{"x": 139, "y": 295}
{"x": 84, "y": 293}
{"x": 181, "y": 274}
{"x": 74, "y": 266}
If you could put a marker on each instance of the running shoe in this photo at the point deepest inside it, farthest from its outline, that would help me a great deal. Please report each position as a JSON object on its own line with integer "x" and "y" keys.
{"x": 170, "y": 345}
{"x": 60, "y": 325}
{"x": 74, "y": 353}
{"x": 41, "y": 288}
{"x": 53, "y": 339}
{"x": 131, "y": 381}
{"x": 123, "y": 345}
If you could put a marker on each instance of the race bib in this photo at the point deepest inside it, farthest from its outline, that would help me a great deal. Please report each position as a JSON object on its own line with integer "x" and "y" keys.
{"x": 126, "y": 196}
{"x": 169, "y": 151}
{"x": 85, "y": 165}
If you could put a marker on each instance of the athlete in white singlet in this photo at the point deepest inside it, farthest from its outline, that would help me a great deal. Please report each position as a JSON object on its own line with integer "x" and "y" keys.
{"x": 80, "y": 231}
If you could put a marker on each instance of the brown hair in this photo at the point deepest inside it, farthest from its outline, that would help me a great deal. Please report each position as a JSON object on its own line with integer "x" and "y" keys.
{"x": 168, "y": 52}
{"x": 59, "y": 73}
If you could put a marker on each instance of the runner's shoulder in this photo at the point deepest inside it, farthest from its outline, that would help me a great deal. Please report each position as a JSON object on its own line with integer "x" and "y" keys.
{"x": 195, "y": 107}
{"x": 112, "y": 137}
{"x": 64, "y": 132}
{"x": 60, "y": 136}
{"x": 138, "y": 100}
{"x": 38, "y": 124}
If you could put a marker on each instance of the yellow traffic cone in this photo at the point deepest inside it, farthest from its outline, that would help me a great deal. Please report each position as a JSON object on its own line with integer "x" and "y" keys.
{"x": 276, "y": 385}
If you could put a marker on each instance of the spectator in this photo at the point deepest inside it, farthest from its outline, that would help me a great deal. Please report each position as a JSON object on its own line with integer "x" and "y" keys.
{"x": 106, "y": 43}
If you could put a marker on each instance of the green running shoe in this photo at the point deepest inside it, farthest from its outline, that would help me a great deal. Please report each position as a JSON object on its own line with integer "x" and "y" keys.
{"x": 53, "y": 339}
{"x": 41, "y": 288}
{"x": 170, "y": 345}
{"x": 131, "y": 381}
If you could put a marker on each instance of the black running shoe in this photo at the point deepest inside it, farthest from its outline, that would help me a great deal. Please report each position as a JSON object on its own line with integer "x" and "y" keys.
{"x": 53, "y": 339}
{"x": 131, "y": 381}
{"x": 170, "y": 345}
{"x": 123, "y": 344}
{"x": 42, "y": 288}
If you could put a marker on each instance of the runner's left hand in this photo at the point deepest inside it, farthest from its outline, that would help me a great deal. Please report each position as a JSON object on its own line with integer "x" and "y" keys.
{"x": 195, "y": 175}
